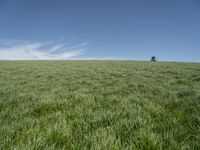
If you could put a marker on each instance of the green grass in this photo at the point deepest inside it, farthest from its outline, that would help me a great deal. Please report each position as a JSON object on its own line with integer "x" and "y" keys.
{"x": 99, "y": 105}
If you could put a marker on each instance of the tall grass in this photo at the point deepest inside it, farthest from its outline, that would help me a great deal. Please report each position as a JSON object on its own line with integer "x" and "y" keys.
{"x": 99, "y": 105}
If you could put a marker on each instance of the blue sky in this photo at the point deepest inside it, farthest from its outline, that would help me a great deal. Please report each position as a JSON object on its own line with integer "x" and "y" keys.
{"x": 100, "y": 29}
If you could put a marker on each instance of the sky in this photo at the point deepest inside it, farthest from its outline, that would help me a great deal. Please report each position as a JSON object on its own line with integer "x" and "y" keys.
{"x": 100, "y": 29}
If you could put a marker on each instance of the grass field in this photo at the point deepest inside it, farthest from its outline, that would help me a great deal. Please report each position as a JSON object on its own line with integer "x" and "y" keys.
{"x": 99, "y": 105}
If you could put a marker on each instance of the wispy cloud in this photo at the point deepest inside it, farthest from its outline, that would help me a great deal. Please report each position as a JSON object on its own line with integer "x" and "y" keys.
{"x": 24, "y": 50}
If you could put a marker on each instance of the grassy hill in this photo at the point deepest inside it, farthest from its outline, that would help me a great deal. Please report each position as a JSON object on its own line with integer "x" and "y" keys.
{"x": 99, "y": 105}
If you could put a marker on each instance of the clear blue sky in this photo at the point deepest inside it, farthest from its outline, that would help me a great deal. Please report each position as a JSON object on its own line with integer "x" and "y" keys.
{"x": 121, "y": 29}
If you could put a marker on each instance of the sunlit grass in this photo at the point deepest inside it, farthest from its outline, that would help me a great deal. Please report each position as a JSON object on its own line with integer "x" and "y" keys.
{"x": 99, "y": 105}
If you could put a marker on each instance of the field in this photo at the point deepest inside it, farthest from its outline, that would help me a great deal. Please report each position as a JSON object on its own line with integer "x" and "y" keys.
{"x": 99, "y": 105}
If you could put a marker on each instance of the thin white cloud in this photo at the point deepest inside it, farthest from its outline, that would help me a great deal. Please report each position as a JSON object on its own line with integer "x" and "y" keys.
{"x": 56, "y": 47}
{"x": 23, "y": 50}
